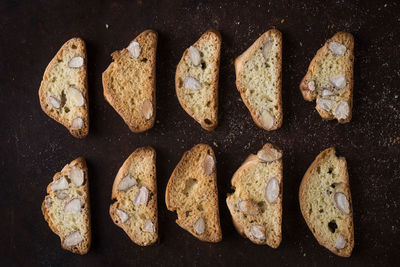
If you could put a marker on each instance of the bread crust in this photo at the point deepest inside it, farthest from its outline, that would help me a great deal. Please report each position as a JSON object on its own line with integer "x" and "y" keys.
{"x": 214, "y": 99}
{"x": 303, "y": 200}
{"x": 240, "y": 62}
{"x": 80, "y": 44}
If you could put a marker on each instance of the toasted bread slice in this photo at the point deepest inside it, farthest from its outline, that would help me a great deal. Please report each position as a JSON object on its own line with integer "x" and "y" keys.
{"x": 196, "y": 79}
{"x": 329, "y": 78}
{"x": 256, "y": 204}
{"x": 129, "y": 82}
{"x": 325, "y": 202}
{"x": 135, "y": 192}
{"x": 63, "y": 92}
{"x": 66, "y": 207}
{"x": 259, "y": 79}
{"x": 192, "y": 192}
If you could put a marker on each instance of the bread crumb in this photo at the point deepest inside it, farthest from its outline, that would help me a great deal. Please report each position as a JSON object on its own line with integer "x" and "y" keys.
{"x": 107, "y": 26}
{"x": 283, "y": 20}
{"x": 215, "y": 144}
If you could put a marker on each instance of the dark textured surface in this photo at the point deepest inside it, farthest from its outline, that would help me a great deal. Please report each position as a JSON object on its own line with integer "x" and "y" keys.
{"x": 33, "y": 146}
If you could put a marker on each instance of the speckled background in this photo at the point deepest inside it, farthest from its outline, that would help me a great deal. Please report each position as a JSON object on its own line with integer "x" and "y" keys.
{"x": 33, "y": 146}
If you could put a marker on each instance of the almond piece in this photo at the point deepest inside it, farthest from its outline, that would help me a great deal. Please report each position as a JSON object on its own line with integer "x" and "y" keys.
{"x": 208, "y": 164}
{"x": 342, "y": 110}
{"x": 74, "y": 205}
{"x": 269, "y": 154}
{"x": 126, "y": 183}
{"x": 148, "y": 226}
{"x": 75, "y": 62}
{"x": 340, "y": 242}
{"x": 54, "y": 102}
{"x": 73, "y": 239}
{"x": 257, "y": 232}
{"x": 77, "y": 123}
{"x": 200, "y": 226}
{"x": 341, "y": 202}
{"x": 191, "y": 83}
{"x": 76, "y": 175}
{"x": 325, "y": 104}
{"x": 122, "y": 215}
{"x": 267, "y": 119}
{"x": 59, "y": 184}
{"x": 272, "y": 190}
{"x": 75, "y": 97}
{"x": 142, "y": 197}
{"x": 61, "y": 195}
{"x": 147, "y": 109}
{"x": 311, "y": 85}
{"x": 134, "y": 49}
{"x": 337, "y": 48}
{"x": 326, "y": 93}
{"x": 248, "y": 207}
{"x": 194, "y": 56}
{"x": 267, "y": 48}
{"x": 338, "y": 81}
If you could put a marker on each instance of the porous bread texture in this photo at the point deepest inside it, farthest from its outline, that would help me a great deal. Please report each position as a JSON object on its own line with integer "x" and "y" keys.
{"x": 259, "y": 79}
{"x": 135, "y": 208}
{"x": 325, "y": 179}
{"x": 329, "y": 78}
{"x": 256, "y": 215}
{"x": 63, "y": 92}
{"x": 200, "y": 102}
{"x": 192, "y": 192}
{"x": 129, "y": 82}
{"x": 71, "y": 224}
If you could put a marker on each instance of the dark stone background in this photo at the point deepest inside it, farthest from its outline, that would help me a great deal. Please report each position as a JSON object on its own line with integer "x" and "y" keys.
{"x": 34, "y": 147}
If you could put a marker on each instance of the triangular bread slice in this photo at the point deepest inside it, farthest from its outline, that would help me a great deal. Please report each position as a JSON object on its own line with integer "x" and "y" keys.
{"x": 256, "y": 204}
{"x": 329, "y": 78}
{"x": 135, "y": 194}
{"x": 192, "y": 192}
{"x": 63, "y": 92}
{"x": 259, "y": 80}
{"x": 66, "y": 207}
{"x": 196, "y": 79}
{"x": 325, "y": 202}
{"x": 129, "y": 82}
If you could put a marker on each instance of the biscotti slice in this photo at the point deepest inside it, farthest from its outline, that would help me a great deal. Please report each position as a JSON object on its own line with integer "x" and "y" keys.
{"x": 129, "y": 82}
{"x": 63, "y": 92}
{"x": 325, "y": 202}
{"x": 256, "y": 204}
{"x": 135, "y": 194}
{"x": 66, "y": 207}
{"x": 192, "y": 192}
{"x": 259, "y": 79}
{"x": 329, "y": 78}
{"x": 196, "y": 79}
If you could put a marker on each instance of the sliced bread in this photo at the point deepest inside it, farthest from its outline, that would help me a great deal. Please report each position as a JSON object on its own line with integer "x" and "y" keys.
{"x": 329, "y": 78}
{"x": 63, "y": 93}
{"x": 135, "y": 194}
{"x": 256, "y": 204}
{"x": 196, "y": 79}
{"x": 325, "y": 202}
{"x": 129, "y": 82}
{"x": 192, "y": 192}
{"x": 259, "y": 79}
{"x": 66, "y": 207}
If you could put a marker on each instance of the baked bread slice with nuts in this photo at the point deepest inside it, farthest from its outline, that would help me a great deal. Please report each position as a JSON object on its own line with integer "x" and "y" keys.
{"x": 256, "y": 203}
{"x": 135, "y": 194}
{"x": 66, "y": 207}
{"x": 129, "y": 82}
{"x": 63, "y": 92}
{"x": 325, "y": 202}
{"x": 196, "y": 79}
{"x": 192, "y": 192}
{"x": 329, "y": 78}
{"x": 259, "y": 80}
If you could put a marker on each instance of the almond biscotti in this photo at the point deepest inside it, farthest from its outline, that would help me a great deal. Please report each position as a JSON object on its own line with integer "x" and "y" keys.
{"x": 329, "y": 78}
{"x": 192, "y": 192}
{"x": 259, "y": 80}
{"x": 325, "y": 202}
{"x": 256, "y": 204}
{"x": 129, "y": 82}
{"x": 66, "y": 207}
{"x": 135, "y": 194}
{"x": 63, "y": 92}
{"x": 196, "y": 79}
